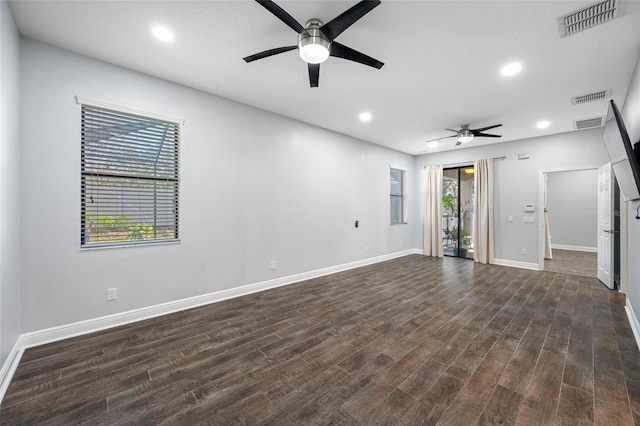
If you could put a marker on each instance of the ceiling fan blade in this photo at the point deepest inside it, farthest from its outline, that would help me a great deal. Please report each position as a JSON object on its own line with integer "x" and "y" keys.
{"x": 314, "y": 74}
{"x": 482, "y": 129}
{"x": 281, "y": 14}
{"x": 341, "y": 51}
{"x": 337, "y": 25}
{"x": 268, "y": 53}
{"x": 485, "y": 135}
{"x": 437, "y": 139}
{"x": 451, "y": 130}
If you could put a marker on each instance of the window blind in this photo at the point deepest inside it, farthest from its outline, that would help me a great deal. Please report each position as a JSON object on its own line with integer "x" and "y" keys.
{"x": 130, "y": 178}
{"x": 396, "y": 177}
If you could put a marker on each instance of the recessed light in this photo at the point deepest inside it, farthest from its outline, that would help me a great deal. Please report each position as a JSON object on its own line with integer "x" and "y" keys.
{"x": 542, "y": 124}
{"x": 365, "y": 116}
{"x": 511, "y": 69}
{"x": 162, "y": 33}
{"x": 432, "y": 144}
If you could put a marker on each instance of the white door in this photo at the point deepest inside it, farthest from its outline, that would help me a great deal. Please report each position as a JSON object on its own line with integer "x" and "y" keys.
{"x": 605, "y": 225}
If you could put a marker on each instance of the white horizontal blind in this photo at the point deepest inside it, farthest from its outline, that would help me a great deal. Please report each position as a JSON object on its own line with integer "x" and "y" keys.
{"x": 130, "y": 178}
{"x": 396, "y": 178}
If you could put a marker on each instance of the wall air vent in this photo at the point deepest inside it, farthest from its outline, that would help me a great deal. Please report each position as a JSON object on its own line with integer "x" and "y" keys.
{"x": 595, "y": 96}
{"x": 589, "y": 17}
{"x": 589, "y": 123}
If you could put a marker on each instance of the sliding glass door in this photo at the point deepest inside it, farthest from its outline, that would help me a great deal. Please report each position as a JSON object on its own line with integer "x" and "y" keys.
{"x": 457, "y": 207}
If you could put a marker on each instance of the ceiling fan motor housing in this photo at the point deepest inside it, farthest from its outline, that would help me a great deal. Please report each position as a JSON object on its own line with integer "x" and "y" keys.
{"x": 313, "y": 45}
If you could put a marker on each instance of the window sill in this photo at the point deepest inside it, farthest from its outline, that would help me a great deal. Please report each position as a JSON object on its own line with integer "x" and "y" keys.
{"x": 110, "y": 246}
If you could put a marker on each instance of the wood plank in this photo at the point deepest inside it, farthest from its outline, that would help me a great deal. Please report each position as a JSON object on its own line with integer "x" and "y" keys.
{"x": 391, "y": 410}
{"x": 541, "y": 395}
{"x": 578, "y": 371}
{"x": 520, "y": 368}
{"x": 575, "y": 406}
{"x": 612, "y": 403}
{"x": 502, "y": 408}
{"x": 434, "y": 402}
{"x": 359, "y": 405}
{"x": 419, "y": 382}
{"x": 467, "y": 407}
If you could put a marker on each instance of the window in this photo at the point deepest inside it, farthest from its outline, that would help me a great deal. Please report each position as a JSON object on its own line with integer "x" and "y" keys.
{"x": 130, "y": 177}
{"x": 397, "y": 195}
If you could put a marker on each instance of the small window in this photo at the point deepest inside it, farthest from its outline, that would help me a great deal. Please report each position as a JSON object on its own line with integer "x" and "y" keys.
{"x": 397, "y": 196}
{"x": 130, "y": 176}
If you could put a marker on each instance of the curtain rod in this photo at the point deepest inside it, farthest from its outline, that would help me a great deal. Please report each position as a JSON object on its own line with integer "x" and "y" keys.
{"x": 468, "y": 163}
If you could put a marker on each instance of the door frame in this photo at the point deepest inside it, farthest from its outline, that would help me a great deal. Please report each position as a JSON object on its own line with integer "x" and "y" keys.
{"x": 540, "y": 215}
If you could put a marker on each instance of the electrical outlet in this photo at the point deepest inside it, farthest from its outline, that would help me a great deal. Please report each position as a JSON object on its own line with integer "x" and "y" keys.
{"x": 524, "y": 252}
{"x": 273, "y": 265}
{"x": 112, "y": 293}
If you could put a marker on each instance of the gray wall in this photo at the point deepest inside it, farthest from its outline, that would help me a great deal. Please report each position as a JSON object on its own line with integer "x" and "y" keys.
{"x": 516, "y": 182}
{"x": 572, "y": 202}
{"x": 10, "y": 325}
{"x": 255, "y": 187}
{"x": 631, "y": 117}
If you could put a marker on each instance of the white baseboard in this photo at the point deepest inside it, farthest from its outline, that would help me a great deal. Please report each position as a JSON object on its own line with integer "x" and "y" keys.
{"x": 633, "y": 320}
{"x": 61, "y": 332}
{"x": 574, "y": 248}
{"x": 516, "y": 264}
{"x": 9, "y": 367}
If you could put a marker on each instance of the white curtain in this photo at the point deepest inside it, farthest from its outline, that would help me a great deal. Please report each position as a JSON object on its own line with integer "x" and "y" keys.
{"x": 483, "y": 218}
{"x": 547, "y": 233}
{"x": 433, "y": 212}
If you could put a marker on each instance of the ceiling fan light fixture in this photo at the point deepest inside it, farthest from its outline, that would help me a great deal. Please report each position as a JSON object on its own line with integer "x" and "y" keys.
{"x": 465, "y": 136}
{"x": 314, "y": 53}
{"x": 313, "y": 45}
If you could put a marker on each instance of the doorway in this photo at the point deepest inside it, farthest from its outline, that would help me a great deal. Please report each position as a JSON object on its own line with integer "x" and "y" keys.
{"x": 572, "y": 217}
{"x": 578, "y": 257}
{"x": 457, "y": 207}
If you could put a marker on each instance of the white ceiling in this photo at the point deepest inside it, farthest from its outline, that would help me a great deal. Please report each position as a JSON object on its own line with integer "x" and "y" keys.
{"x": 442, "y": 60}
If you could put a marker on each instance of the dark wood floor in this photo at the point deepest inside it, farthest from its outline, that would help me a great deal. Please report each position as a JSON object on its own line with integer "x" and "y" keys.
{"x": 410, "y": 341}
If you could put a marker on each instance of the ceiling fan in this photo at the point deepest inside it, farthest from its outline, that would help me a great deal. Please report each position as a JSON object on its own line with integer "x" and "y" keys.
{"x": 465, "y": 134}
{"x": 316, "y": 40}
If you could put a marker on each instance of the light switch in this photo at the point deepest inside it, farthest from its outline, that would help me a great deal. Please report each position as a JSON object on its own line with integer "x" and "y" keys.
{"x": 510, "y": 219}
{"x": 529, "y": 219}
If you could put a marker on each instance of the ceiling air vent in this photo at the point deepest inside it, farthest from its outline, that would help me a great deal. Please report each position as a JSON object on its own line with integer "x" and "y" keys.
{"x": 595, "y": 96}
{"x": 589, "y": 123}
{"x": 588, "y": 17}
